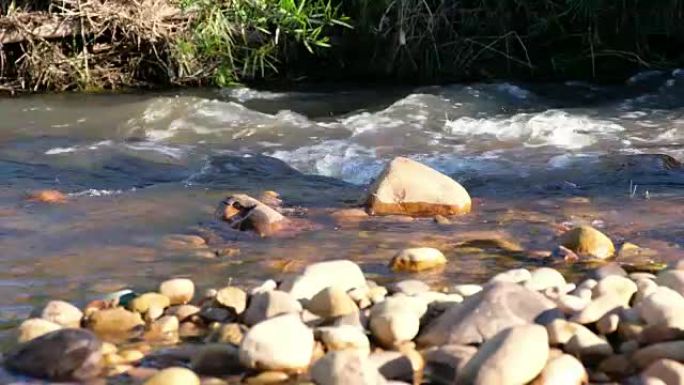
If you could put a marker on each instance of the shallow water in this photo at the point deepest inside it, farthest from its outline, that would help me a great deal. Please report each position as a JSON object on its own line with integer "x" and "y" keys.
{"x": 536, "y": 158}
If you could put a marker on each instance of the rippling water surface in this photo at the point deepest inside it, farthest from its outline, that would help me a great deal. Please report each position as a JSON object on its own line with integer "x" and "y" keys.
{"x": 140, "y": 167}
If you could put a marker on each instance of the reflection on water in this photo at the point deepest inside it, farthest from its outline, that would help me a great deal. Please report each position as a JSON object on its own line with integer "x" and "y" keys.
{"x": 141, "y": 167}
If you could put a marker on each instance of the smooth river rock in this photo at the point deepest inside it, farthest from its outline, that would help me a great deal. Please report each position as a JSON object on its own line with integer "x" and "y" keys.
{"x": 586, "y": 240}
{"x": 668, "y": 371}
{"x": 62, "y": 313}
{"x": 485, "y": 314}
{"x": 343, "y": 274}
{"x": 174, "y": 376}
{"x": 346, "y": 367}
{"x": 407, "y": 187}
{"x": 417, "y": 259}
{"x": 179, "y": 290}
{"x": 282, "y": 343}
{"x": 674, "y": 279}
{"x": 396, "y": 320}
{"x": 245, "y": 213}
{"x": 514, "y": 356}
{"x": 34, "y": 328}
{"x": 62, "y": 355}
{"x": 331, "y": 302}
{"x": 562, "y": 370}
{"x": 344, "y": 337}
{"x": 270, "y": 304}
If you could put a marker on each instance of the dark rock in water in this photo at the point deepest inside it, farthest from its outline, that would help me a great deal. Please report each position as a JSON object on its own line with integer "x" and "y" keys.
{"x": 483, "y": 315}
{"x": 62, "y": 355}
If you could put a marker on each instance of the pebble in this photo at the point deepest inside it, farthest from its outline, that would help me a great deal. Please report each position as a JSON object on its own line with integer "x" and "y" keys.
{"x": 545, "y": 278}
{"x": 61, "y": 355}
{"x": 586, "y": 240}
{"x": 588, "y": 346}
{"x": 179, "y": 290}
{"x": 331, "y": 302}
{"x": 396, "y": 320}
{"x": 674, "y": 279}
{"x": 673, "y": 350}
{"x": 216, "y": 360}
{"x": 281, "y": 343}
{"x": 144, "y": 302}
{"x": 183, "y": 312}
{"x": 34, "y": 328}
{"x": 47, "y": 196}
{"x": 344, "y": 274}
{"x": 467, "y": 290}
{"x": 267, "y": 305}
{"x": 663, "y": 306}
{"x": 344, "y": 337}
{"x": 417, "y": 259}
{"x": 668, "y": 371}
{"x": 231, "y": 333}
{"x": 62, "y": 313}
{"x": 346, "y": 367}
{"x": 116, "y": 322}
{"x": 233, "y": 298}
{"x": 616, "y": 285}
{"x": 174, "y": 376}
{"x": 598, "y": 307}
{"x": 562, "y": 370}
{"x": 512, "y": 276}
{"x": 266, "y": 378}
{"x": 514, "y": 356}
{"x": 165, "y": 329}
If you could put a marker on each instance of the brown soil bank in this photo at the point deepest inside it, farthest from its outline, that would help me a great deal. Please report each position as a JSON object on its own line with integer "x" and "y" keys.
{"x": 108, "y": 44}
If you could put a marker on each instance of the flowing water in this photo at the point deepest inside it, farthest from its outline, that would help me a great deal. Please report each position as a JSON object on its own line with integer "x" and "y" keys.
{"x": 137, "y": 168}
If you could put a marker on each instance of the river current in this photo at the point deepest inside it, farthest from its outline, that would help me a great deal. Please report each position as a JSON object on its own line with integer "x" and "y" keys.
{"x": 140, "y": 167}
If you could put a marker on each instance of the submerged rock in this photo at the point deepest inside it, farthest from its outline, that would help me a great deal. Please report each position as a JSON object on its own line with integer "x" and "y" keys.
{"x": 417, "y": 259}
{"x": 245, "y": 213}
{"x": 586, "y": 240}
{"x": 62, "y": 355}
{"x": 407, "y": 187}
{"x": 484, "y": 314}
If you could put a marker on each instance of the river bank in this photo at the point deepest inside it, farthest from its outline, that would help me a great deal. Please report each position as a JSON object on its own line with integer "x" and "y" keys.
{"x": 96, "y": 45}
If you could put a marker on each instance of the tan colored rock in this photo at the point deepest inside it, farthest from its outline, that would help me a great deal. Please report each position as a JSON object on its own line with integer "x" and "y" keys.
{"x": 165, "y": 329}
{"x": 183, "y": 242}
{"x": 144, "y": 302}
{"x": 62, "y": 313}
{"x": 34, "y": 328}
{"x": 47, "y": 196}
{"x": 562, "y": 370}
{"x": 233, "y": 298}
{"x": 544, "y": 278}
{"x": 417, "y": 259}
{"x": 174, "y": 376}
{"x": 396, "y": 320}
{"x": 587, "y": 345}
{"x": 346, "y": 367}
{"x": 183, "y": 312}
{"x": 331, "y": 302}
{"x": 267, "y": 305}
{"x": 663, "y": 307}
{"x": 410, "y": 287}
{"x": 282, "y": 343}
{"x": 586, "y": 240}
{"x": 598, "y": 308}
{"x": 570, "y": 304}
{"x": 407, "y": 187}
{"x": 467, "y": 290}
{"x": 116, "y": 322}
{"x": 622, "y": 287}
{"x": 268, "y": 377}
{"x": 561, "y": 331}
{"x": 245, "y": 213}
{"x": 344, "y": 274}
{"x": 668, "y": 371}
{"x": 512, "y": 276}
{"x": 514, "y": 356}
{"x": 179, "y": 290}
{"x": 645, "y": 356}
{"x": 231, "y": 333}
{"x": 344, "y": 337}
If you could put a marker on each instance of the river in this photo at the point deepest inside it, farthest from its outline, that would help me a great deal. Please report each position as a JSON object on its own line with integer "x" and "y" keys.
{"x": 139, "y": 167}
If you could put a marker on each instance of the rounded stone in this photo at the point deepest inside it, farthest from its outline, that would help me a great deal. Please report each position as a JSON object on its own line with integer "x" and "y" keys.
{"x": 562, "y": 370}
{"x": 216, "y": 360}
{"x": 344, "y": 337}
{"x": 144, "y": 302}
{"x": 514, "y": 356}
{"x": 670, "y": 372}
{"x": 233, "y": 298}
{"x": 466, "y": 290}
{"x": 346, "y": 367}
{"x": 410, "y": 287}
{"x": 673, "y": 350}
{"x": 267, "y": 378}
{"x": 587, "y": 345}
{"x": 174, "y": 376}
{"x": 545, "y": 278}
{"x": 512, "y": 276}
{"x": 417, "y": 259}
{"x": 331, "y": 302}
{"x": 114, "y": 322}
{"x": 396, "y": 320}
{"x": 34, "y": 328}
{"x": 674, "y": 279}
{"x": 282, "y": 343}
{"x": 61, "y": 355}
{"x": 344, "y": 274}
{"x": 623, "y": 287}
{"x": 663, "y": 306}
{"x": 62, "y": 313}
{"x": 598, "y": 308}
{"x": 586, "y": 240}
{"x": 179, "y": 290}
{"x": 269, "y": 304}
{"x": 183, "y": 312}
